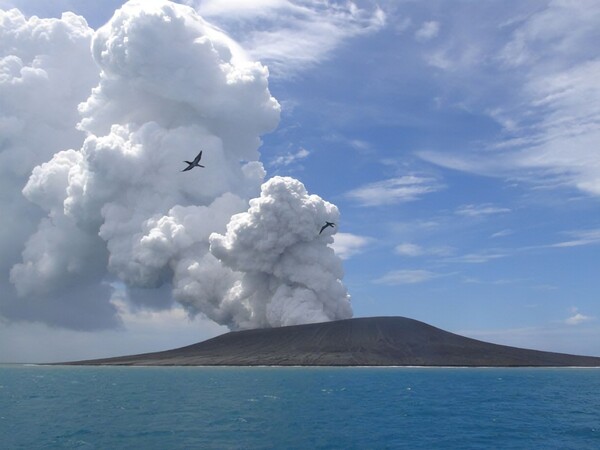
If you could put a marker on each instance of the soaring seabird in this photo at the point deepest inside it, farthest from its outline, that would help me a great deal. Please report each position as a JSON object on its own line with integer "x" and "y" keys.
{"x": 327, "y": 224}
{"x": 194, "y": 163}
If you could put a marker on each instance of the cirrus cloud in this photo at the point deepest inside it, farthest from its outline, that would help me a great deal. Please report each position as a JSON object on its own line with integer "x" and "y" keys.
{"x": 294, "y": 34}
{"x": 406, "y": 276}
{"x": 402, "y": 189}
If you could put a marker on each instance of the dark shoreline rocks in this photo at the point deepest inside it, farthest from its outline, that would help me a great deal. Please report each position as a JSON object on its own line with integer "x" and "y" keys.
{"x": 370, "y": 341}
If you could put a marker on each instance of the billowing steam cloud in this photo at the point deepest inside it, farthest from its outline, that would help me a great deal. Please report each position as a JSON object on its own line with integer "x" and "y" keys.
{"x": 278, "y": 248}
{"x": 46, "y": 69}
{"x": 117, "y": 207}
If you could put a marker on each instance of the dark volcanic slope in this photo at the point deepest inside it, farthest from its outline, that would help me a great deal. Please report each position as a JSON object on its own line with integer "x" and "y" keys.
{"x": 375, "y": 341}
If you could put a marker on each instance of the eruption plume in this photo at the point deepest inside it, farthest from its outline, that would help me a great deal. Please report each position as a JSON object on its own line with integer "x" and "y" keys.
{"x": 113, "y": 205}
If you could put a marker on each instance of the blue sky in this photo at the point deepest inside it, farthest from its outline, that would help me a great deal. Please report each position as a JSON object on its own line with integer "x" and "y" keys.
{"x": 459, "y": 141}
{"x": 482, "y": 243}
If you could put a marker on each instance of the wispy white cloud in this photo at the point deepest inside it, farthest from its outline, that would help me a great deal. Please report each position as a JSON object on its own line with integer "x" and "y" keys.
{"x": 497, "y": 166}
{"x": 580, "y": 238}
{"x": 411, "y": 227}
{"x": 427, "y": 31}
{"x": 440, "y": 59}
{"x": 577, "y": 318}
{"x": 293, "y": 34}
{"x": 545, "y": 287}
{"x": 563, "y": 145}
{"x": 347, "y": 245}
{"x": 409, "y": 276}
{"x": 498, "y": 282}
{"x": 289, "y": 158}
{"x": 359, "y": 145}
{"x": 551, "y": 115}
{"x": 401, "y": 24}
{"x": 408, "y": 249}
{"x": 242, "y": 8}
{"x": 413, "y": 250}
{"x": 562, "y": 27}
{"x": 502, "y": 233}
{"x": 479, "y": 257}
{"x": 407, "y": 188}
{"x": 480, "y": 210}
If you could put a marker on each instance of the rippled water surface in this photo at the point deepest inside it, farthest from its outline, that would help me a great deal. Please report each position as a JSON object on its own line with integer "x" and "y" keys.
{"x": 304, "y": 408}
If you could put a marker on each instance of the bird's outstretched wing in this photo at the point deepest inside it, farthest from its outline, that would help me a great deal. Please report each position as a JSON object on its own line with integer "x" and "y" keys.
{"x": 194, "y": 163}
{"x": 197, "y": 159}
{"x": 327, "y": 224}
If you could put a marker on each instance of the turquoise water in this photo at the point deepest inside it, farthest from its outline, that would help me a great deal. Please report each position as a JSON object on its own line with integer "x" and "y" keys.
{"x": 299, "y": 408}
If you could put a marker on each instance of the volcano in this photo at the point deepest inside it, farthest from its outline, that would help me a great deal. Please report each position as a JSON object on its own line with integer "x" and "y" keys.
{"x": 370, "y": 341}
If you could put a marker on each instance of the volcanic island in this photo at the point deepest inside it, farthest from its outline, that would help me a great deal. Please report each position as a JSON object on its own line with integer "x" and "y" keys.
{"x": 369, "y": 341}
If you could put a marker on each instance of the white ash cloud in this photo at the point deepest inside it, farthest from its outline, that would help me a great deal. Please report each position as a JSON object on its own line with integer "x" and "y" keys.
{"x": 46, "y": 70}
{"x": 116, "y": 206}
{"x": 290, "y": 275}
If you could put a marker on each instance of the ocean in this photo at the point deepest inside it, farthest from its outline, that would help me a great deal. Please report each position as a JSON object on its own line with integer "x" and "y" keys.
{"x": 55, "y": 407}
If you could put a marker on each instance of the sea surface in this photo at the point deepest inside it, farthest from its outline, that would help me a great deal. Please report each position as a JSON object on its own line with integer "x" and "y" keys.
{"x": 46, "y": 407}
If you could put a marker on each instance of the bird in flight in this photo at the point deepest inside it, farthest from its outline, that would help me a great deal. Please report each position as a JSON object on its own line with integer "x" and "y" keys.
{"x": 327, "y": 224}
{"x": 194, "y": 163}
